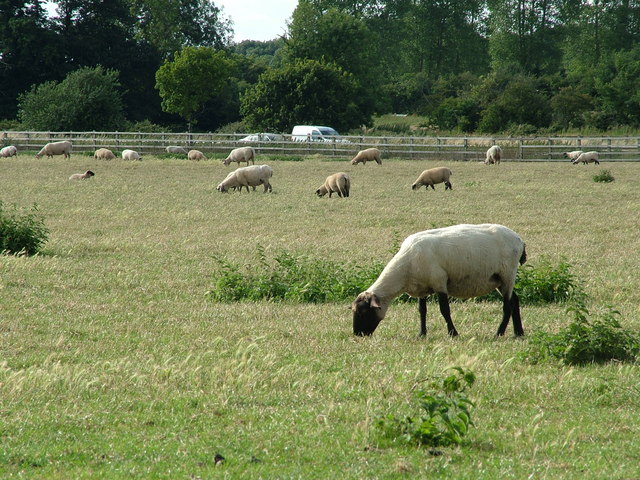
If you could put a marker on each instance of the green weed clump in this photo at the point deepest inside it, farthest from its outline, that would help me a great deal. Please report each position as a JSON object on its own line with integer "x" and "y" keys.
{"x": 445, "y": 413}
{"x": 21, "y": 233}
{"x": 544, "y": 283}
{"x": 296, "y": 278}
{"x": 585, "y": 340}
{"x": 603, "y": 176}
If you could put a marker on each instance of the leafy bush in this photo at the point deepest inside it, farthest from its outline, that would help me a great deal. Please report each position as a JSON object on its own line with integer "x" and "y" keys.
{"x": 21, "y": 234}
{"x": 544, "y": 283}
{"x": 445, "y": 413}
{"x": 603, "y": 176}
{"x": 586, "y": 341}
{"x": 292, "y": 278}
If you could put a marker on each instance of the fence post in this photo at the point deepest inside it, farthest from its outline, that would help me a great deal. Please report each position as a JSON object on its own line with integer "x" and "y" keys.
{"x": 520, "y": 149}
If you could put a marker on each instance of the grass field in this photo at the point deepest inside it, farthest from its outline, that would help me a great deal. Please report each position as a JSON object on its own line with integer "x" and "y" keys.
{"x": 115, "y": 363}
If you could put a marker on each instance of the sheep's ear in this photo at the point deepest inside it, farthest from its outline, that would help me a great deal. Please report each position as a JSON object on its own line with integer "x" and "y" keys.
{"x": 375, "y": 302}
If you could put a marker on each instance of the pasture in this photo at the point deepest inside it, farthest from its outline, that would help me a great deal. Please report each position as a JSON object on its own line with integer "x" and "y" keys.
{"x": 114, "y": 363}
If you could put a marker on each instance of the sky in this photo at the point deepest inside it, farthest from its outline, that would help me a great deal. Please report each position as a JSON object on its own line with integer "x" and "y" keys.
{"x": 258, "y": 19}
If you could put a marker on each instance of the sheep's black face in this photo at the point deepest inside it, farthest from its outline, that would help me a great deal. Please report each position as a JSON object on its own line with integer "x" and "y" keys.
{"x": 365, "y": 315}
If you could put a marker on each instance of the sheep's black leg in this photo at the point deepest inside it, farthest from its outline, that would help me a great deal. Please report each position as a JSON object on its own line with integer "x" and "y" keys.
{"x": 507, "y": 309}
{"x": 443, "y": 300}
{"x": 422, "y": 308}
{"x": 515, "y": 315}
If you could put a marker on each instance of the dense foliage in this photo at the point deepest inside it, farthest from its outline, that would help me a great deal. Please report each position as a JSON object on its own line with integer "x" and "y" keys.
{"x": 586, "y": 340}
{"x": 21, "y": 233}
{"x": 469, "y": 66}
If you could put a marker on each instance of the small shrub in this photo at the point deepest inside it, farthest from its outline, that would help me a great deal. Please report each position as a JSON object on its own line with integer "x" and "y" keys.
{"x": 604, "y": 176}
{"x": 544, "y": 283}
{"x": 586, "y": 341}
{"x": 292, "y": 278}
{"x": 21, "y": 233}
{"x": 445, "y": 413}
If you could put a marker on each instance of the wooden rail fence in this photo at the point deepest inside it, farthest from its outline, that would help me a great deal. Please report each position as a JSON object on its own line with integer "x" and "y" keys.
{"x": 462, "y": 148}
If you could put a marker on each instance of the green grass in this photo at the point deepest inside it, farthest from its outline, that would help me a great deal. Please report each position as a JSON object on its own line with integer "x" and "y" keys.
{"x": 115, "y": 363}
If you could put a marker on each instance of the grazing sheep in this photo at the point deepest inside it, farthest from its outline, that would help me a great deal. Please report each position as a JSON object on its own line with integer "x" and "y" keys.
{"x": 104, "y": 154}
{"x": 250, "y": 176}
{"x": 82, "y": 176}
{"x": 367, "y": 155}
{"x": 241, "y": 154}
{"x": 572, "y": 155}
{"x": 339, "y": 183}
{"x": 9, "y": 151}
{"x": 56, "y": 148}
{"x": 432, "y": 176}
{"x": 494, "y": 154}
{"x": 461, "y": 261}
{"x": 176, "y": 150}
{"x": 130, "y": 155}
{"x": 587, "y": 157}
{"x": 196, "y": 155}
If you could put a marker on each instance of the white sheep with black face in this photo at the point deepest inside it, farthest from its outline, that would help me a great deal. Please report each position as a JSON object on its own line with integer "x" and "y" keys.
{"x": 433, "y": 176}
{"x": 462, "y": 261}
{"x": 572, "y": 155}
{"x": 587, "y": 157}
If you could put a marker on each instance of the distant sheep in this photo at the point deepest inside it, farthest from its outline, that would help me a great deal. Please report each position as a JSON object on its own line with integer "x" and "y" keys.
{"x": 587, "y": 157}
{"x": 196, "y": 155}
{"x": 572, "y": 155}
{"x": 9, "y": 151}
{"x": 367, "y": 155}
{"x": 56, "y": 148}
{"x": 433, "y": 176}
{"x": 461, "y": 261}
{"x": 250, "y": 176}
{"x": 130, "y": 155}
{"x": 104, "y": 154}
{"x": 176, "y": 150}
{"x": 339, "y": 183}
{"x": 241, "y": 154}
{"x": 494, "y": 154}
{"x": 82, "y": 176}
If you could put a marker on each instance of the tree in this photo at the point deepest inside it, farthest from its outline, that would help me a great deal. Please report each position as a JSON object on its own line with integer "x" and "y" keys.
{"x": 170, "y": 25}
{"x": 30, "y": 52}
{"x": 87, "y": 99}
{"x": 304, "y": 92}
{"x": 195, "y": 76}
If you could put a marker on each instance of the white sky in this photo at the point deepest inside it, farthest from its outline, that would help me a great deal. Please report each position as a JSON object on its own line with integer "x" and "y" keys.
{"x": 258, "y": 19}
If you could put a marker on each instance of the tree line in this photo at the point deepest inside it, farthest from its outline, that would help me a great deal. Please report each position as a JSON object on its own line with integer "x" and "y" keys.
{"x": 489, "y": 66}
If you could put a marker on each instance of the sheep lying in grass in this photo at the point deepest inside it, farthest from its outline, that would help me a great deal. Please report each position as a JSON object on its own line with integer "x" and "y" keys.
{"x": 9, "y": 151}
{"x": 104, "y": 154}
{"x": 339, "y": 183}
{"x": 367, "y": 155}
{"x": 56, "y": 148}
{"x": 433, "y": 176}
{"x": 461, "y": 261}
{"x": 587, "y": 157}
{"x": 196, "y": 155}
{"x": 130, "y": 155}
{"x": 250, "y": 176}
{"x": 241, "y": 154}
{"x": 572, "y": 155}
{"x": 176, "y": 150}
{"x": 494, "y": 154}
{"x": 82, "y": 176}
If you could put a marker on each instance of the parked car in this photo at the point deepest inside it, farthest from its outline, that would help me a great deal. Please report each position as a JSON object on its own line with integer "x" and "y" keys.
{"x": 315, "y": 133}
{"x": 262, "y": 137}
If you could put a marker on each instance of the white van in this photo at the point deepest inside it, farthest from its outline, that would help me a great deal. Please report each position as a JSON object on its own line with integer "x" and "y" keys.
{"x": 314, "y": 133}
